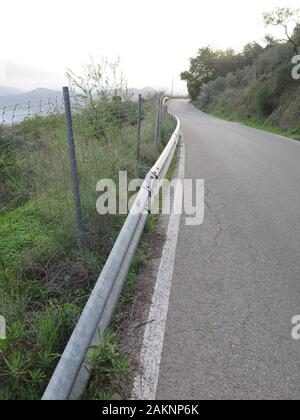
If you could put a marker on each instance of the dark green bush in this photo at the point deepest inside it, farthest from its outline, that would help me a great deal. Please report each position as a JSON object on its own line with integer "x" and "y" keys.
{"x": 264, "y": 101}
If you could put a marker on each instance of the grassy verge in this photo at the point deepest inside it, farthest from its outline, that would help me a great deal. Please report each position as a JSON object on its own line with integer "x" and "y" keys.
{"x": 112, "y": 371}
{"x": 45, "y": 279}
{"x": 260, "y": 125}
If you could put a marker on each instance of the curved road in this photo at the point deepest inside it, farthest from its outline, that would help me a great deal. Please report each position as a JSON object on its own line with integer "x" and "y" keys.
{"x": 236, "y": 283}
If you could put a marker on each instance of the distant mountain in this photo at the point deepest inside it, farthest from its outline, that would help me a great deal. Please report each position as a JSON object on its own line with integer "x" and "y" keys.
{"x": 6, "y": 91}
{"x": 41, "y": 101}
{"x": 36, "y": 95}
{"x": 43, "y": 94}
{"x": 146, "y": 92}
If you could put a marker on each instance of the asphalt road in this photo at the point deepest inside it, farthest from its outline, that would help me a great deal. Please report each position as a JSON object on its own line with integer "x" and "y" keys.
{"x": 236, "y": 283}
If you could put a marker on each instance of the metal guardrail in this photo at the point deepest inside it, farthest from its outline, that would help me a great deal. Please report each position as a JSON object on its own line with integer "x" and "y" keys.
{"x": 72, "y": 372}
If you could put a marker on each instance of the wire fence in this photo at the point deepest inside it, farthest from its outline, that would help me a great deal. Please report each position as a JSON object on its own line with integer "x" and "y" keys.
{"x": 12, "y": 114}
{"x": 36, "y": 192}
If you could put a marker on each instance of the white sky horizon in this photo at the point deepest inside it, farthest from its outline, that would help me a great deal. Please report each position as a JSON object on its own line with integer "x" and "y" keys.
{"x": 154, "y": 40}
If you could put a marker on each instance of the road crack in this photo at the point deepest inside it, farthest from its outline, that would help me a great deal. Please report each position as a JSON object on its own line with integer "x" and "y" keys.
{"x": 218, "y": 222}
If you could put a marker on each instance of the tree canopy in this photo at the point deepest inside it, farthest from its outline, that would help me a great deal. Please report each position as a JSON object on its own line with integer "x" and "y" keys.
{"x": 210, "y": 64}
{"x": 285, "y": 18}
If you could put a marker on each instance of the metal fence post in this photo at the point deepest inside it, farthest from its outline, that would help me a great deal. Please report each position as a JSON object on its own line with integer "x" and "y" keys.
{"x": 139, "y": 116}
{"x": 162, "y": 119}
{"x": 157, "y": 125}
{"x": 73, "y": 163}
{"x": 163, "y": 110}
{"x": 159, "y": 118}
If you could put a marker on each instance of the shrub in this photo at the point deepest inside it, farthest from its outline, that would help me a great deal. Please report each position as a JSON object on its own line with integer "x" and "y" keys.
{"x": 231, "y": 80}
{"x": 274, "y": 57}
{"x": 264, "y": 101}
{"x": 282, "y": 78}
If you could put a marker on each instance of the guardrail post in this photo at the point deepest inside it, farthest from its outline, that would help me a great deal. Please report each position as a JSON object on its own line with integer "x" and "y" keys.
{"x": 139, "y": 116}
{"x": 73, "y": 164}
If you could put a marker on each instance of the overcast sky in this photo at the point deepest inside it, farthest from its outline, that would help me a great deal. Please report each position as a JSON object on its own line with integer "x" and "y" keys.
{"x": 154, "y": 39}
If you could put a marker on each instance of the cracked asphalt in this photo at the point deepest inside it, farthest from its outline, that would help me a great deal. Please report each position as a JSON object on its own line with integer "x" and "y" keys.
{"x": 236, "y": 283}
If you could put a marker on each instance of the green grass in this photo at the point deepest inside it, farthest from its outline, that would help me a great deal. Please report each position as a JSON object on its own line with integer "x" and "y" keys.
{"x": 260, "y": 125}
{"x": 23, "y": 229}
{"x": 110, "y": 369}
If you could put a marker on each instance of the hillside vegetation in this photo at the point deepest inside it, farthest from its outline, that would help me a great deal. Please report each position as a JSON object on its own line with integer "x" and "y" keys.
{"x": 255, "y": 86}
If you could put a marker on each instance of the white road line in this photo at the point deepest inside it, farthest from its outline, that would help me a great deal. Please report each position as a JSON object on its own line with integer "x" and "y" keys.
{"x": 145, "y": 384}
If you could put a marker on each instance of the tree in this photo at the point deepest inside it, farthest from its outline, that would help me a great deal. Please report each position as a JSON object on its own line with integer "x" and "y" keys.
{"x": 202, "y": 70}
{"x": 101, "y": 91}
{"x": 98, "y": 81}
{"x": 296, "y": 34}
{"x": 227, "y": 61}
{"x": 208, "y": 65}
{"x": 270, "y": 41}
{"x": 250, "y": 52}
{"x": 284, "y": 17}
